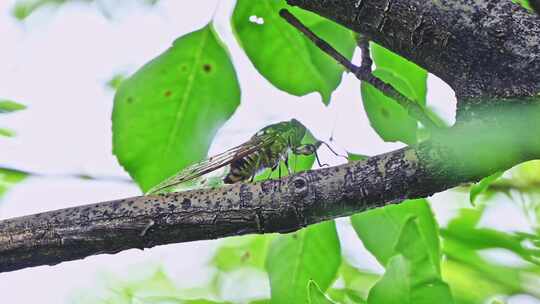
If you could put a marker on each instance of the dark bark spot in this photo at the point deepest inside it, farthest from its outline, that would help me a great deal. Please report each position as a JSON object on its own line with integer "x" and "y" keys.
{"x": 186, "y": 203}
{"x": 207, "y": 68}
{"x": 299, "y": 183}
{"x": 167, "y": 93}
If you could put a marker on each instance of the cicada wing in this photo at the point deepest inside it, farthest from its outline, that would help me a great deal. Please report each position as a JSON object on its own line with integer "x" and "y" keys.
{"x": 215, "y": 162}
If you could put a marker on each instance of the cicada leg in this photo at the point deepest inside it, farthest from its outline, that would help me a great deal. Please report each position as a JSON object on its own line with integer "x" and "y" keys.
{"x": 286, "y": 162}
{"x": 255, "y": 169}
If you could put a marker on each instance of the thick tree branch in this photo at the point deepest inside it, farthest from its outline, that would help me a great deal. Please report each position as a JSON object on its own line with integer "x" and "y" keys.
{"x": 461, "y": 154}
{"x": 480, "y": 48}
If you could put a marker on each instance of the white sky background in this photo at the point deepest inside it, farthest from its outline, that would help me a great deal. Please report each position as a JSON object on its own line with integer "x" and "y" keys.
{"x": 58, "y": 62}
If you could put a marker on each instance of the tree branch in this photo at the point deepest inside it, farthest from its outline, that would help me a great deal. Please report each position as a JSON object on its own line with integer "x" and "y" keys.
{"x": 480, "y": 48}
{"x": 460, "y": 154}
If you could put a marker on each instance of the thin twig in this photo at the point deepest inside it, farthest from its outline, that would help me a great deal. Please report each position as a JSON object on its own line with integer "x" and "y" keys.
{"x": 365, "y": 65}
{"x": 363, "y": 73}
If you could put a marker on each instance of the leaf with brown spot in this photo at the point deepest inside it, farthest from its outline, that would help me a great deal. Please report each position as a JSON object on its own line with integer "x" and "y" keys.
{"x": 166, "y": 115}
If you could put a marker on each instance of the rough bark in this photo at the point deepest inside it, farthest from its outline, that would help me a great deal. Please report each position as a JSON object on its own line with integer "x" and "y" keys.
{"x": 486, "y": 50}
{"x": 480, "y": 48}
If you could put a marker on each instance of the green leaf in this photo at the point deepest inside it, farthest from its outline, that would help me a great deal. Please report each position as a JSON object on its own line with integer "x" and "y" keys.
{"x": 527, "y": 173}
{"x": 356, "y": 281}
{"x": 10, "y": 177}
{"x": 379, "y": 229}
{"x": 389, "y": 119}
{"x": 166, "y": 115}
{"x": 8, "y": 106}
{"x": 294, "y": 259}
{"x": 463, "y": 230}
{"x": 316, "y": 295}
{"x": 411, "y": 277}
{"x": 414, "y": 75}
{"x": 483, "y": 185}
{"x": 283, "y": 55}
{"x": 6, "y": 132}
{"x": 354, "y": 285}
{"x": 245, "y": 251}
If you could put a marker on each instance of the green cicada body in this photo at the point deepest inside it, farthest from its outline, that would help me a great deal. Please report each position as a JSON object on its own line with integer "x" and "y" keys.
{"x": 266, "y": 149}
{"x": 285, "y": 136}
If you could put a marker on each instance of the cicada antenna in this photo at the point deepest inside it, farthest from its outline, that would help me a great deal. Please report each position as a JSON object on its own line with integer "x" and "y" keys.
{"x": 331, "y": 139}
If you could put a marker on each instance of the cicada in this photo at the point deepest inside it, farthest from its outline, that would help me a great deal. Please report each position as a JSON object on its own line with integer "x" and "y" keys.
{"x": 266, "y": 149}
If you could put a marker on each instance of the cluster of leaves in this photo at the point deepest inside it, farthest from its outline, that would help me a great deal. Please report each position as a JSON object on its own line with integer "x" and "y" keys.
{"x": 24, "y": 8}
{"x": 9, "y": 177}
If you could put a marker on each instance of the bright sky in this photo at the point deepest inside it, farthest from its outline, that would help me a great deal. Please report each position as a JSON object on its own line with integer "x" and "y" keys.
{"x": 58, "y": 62}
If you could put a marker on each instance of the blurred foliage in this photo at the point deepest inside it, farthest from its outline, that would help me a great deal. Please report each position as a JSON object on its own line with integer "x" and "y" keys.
{"x": 10, "y": 177}
{"x": 157, "y": 288}
{"x": 8, "y": 106}
{"x": 474, "y": 278}
{"x": 411, "y": 276}
{"x": 405, "y": 238}
{"x": 238, "y": 252}
{"x": 7, "y": 132}
{"x": 23, "y": 9}
{"x": 302, "y": 67}
{"x": 380, "y": 229}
